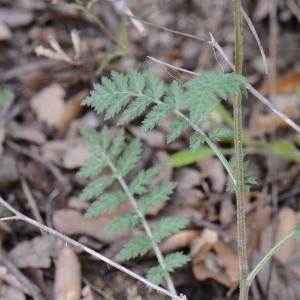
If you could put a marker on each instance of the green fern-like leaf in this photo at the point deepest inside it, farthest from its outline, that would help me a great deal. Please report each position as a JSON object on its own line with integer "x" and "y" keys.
{"x": 158, "y": 114}
{"x": 175, "y": 260}
{"x": 138, "y": 185}
{"x": 176, "y": 128}
{"x": 196, "y": 140}
{"x": 92, "y": 167}
{"x": 157, "y": 196}
{"x": 129, "y": 158}
{"x": 167, "y": 227}
{"x": 172, "y": 261}
{"x": 204, "y": 92}
{"x": 135, "y": 247}
{"x": 96, "y": 187}
{"x": 135, "y": 94}
{"x": 156, "y": 275}
{"x": 106, "y": 203}
{"x": 125, "y": 222}
{"x": 249, "y": 179}
{"x": 117, "y": 144}
{"x": 218, "y": 132}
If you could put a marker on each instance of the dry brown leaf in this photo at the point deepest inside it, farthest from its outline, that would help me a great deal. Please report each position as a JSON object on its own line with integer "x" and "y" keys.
{"x": 67, "y": 285}
{"x": 213, "y": 169}
{"x": 72, "y": 110}
{"x": 287, "y": 220}
{"x": 49, "y": 105}
{"x": 27, "y": 133}
{"x": 217, "y": 261}
{"x": 179, "y": 240}
{"x": 284, "y": 85}
{"x": 70, "y": 153}
{"x": 70, "y": 222}
{"x": 202, "y": 272}
{"x": 188, "y": 179}
{"x": 228, "y": 260}
{"x": 227, "y": 210}
{"x": 35, "y": 253}
{"x": 202, "y": 244}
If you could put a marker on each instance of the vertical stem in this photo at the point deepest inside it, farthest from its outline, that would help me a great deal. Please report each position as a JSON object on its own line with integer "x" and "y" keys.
{"x": 239, "y": 156}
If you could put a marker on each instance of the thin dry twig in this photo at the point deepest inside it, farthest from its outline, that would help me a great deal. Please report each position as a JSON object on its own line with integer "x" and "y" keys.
{"x": 249, "y": 87}
{"x": 31, "y": 200}
{"x": 220, "y": 50}
{"x": 253, "y": 91}
{"x": 257, "y": 39}
{"x": 22, "y": 217}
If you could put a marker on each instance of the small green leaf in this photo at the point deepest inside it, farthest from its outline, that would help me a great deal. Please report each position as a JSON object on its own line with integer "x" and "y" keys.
{"x": 218, "y": 133}
{"x": 156, "y": 275}
{"x": 129, "y": 158}
{"x": 117, "y": 144}
{"x": 92, "y": 167}
{"x": 176, "y": 128}
{"x": 138, "y": 246}
{"x": 158, "y": 195}
{"x": 158, "y": 114}
{"x": 134, "y": 109}
{"x": 96, "y": 187}
{"x": 175, "y": 260}
{"x": 136, "y": 81}
{"x": 106, "y": 203}
{"x": 197, "y": 140}
{"x": 138, "y": 185}
{"x": 155, "y": 87}
{"x": 167, "y": 227}
{"x": 171, "y": 261}
{"x": 125, "y": 222}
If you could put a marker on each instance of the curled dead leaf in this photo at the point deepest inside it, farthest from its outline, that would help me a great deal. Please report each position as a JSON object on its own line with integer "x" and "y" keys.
{"x": 35, "y": 253}
{"x": 179, "y": 240}
{"x": 49, "y": 105}
{"x": 70, "y": 222}
{"x": 70, "y": 153}
{"x": 67, "y": 284}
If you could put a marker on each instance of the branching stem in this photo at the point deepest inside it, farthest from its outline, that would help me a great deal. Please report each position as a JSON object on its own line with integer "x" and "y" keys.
{"x": 147, "y": 228}
{"x": 239, "y": 156}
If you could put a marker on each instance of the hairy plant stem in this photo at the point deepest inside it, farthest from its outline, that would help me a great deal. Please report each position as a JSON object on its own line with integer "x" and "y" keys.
{"x": 147, "y": 228}
{"x": 239, "y": 156}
